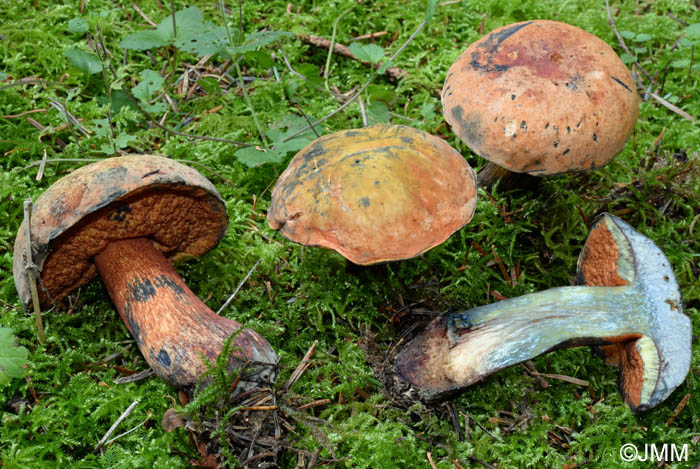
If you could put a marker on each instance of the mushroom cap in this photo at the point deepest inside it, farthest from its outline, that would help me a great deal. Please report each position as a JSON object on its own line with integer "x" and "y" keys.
{"x": 654, "y": 357}
{"x": 134, "y": 196}
{"x": 541, "y": 97}
{"x": 376, "y": 194}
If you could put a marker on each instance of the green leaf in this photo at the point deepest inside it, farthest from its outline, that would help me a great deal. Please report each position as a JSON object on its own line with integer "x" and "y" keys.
{"x": 263, "y": 38}
{"x": 204, "y": 42}
{"x": 384, "y": 67}
{"x": 254, "y": 156}
{"x": 78, "y": 26}
{"x": 681, "y": 63}
{"x": 643, "y": 37}
{"x": 187, "y": 21}
{"x": 210, "y": 85}
{"x": 151, "y": 83}
{"x": 627, "y": 35}
{"x": 86, "y": 62}
{"x": 381, "y": 93}
{"x": 377, "y": 113}
{"x": 122, "y": 140}
{"x": 144, "y": 40}
{"x": 428, "y": 111}
{"x": 101, "y": 127}
{"x": 12, "y": 357}
{"x": 639, "y": 50}
{"x": 685, "y": 42}
{"x": 430, "y": 10}
{"x": 627, "y": 59}
{"x": 371, "y": 53}
{"x": 692, "y": 32}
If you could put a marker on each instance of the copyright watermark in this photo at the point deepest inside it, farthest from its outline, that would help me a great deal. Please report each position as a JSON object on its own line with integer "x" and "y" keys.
{"x": 654, "y": 453}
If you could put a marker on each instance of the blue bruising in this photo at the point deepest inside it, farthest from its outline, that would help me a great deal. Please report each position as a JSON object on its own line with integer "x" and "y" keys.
{"x": 490, "y": 45}
{"x": 142, "y": 290}
{"x": 364, "y": 202}
{"x": 163, "y": 358}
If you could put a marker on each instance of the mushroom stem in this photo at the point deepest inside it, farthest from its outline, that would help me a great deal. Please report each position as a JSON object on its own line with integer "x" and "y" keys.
{"x": 491, "y": 173}
{"x": 172, "y": 327}
{"x": 631, "y": 308}
{"x": 463, "y": 348}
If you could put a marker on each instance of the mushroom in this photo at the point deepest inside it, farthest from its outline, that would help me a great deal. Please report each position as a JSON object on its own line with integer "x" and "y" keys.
{"x": 629, "y": 303}
{"x": 540, "y": 97}
{"x": 124, "y": 218}
{"x": 376, "y": 194}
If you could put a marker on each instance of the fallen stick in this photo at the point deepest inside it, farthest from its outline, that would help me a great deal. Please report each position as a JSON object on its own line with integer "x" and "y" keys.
{"x": 339, "y": 49}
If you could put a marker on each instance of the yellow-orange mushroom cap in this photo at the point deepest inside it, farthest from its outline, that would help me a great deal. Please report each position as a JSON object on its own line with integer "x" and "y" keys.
{"x": 376, "y": 194}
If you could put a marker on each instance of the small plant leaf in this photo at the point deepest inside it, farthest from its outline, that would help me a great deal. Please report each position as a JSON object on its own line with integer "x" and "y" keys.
{"x": 12, "y": 357}
{"x": 428, "y": 111}
{"x": 78, "y": 26}
{"x": 203, "y": 42}
{"x": 681, "y": 63}
{"x": 377, "y": 113}
{"x": 371, "y": 53}
{"x": 627, "y": 35}
{"x": 210, "y": 85}
{"x": 144, "y": 40}
{"x": 383, "y": 68}
{"x": 254, "y": 156}
{"x": 86, "y": 62}
{"x": 430, "y": 10}
{"x": 151, "y": 83}
{"x": 692, "y": 32}
{"x": 187, "y": 21}
{"x": 643, "y": 37}
{"x": 626, "y": 58}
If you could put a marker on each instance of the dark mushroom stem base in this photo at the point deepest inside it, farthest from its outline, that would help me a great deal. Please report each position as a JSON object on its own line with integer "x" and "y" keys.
{"x": 634, "y": 311}
{"x": 172, "y": 327}
{"x": 491, "y": 174}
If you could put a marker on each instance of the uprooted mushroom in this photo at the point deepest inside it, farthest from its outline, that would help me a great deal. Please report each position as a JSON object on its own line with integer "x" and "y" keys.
{"x": 377, "y": 194}
{"x": 540, "y": 97}
{"x": 628, "y": 304}
{"x": 124, "y": 219}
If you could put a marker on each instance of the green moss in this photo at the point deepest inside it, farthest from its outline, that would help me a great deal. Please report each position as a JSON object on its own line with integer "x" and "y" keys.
{"x": 298, "y": 295}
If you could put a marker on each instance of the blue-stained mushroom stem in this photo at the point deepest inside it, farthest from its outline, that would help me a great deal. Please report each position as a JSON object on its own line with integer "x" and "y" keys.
{"x": 638, "y": 320}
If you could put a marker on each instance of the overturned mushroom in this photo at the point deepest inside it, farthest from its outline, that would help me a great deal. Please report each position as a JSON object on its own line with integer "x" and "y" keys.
{"x": 377, "y": 194}
{"x": 630, "y": 304}
{"x": 123, "y": 218}
{"x": 540, "y": 97}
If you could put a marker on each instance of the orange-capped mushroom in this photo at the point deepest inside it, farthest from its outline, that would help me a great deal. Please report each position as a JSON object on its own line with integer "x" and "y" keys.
{"x": 376, "y": 194}
{"x": 540, "y": 97}
{"x": 123, "y": 219}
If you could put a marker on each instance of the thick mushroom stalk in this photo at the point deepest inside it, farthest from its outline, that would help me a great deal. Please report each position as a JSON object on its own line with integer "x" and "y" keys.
{"x": 638, "y": 318}
{"x": 172, "y": 327}
{"x": 128, "y": 218}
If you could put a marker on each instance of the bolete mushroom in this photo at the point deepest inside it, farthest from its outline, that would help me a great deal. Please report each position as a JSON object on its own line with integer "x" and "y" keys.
{"x": 123, "y": 218}
{"x": 540, "y": 97}
{"x": 629, "y": 303}
{"x": 376, "y": 194}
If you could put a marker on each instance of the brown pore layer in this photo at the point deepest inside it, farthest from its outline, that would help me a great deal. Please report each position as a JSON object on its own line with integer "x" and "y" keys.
{"x": 598, "y": 264}
{"x": 598, "y": 268}
{"x": 182, "y": 223}
{"x": 125, "y": 191}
